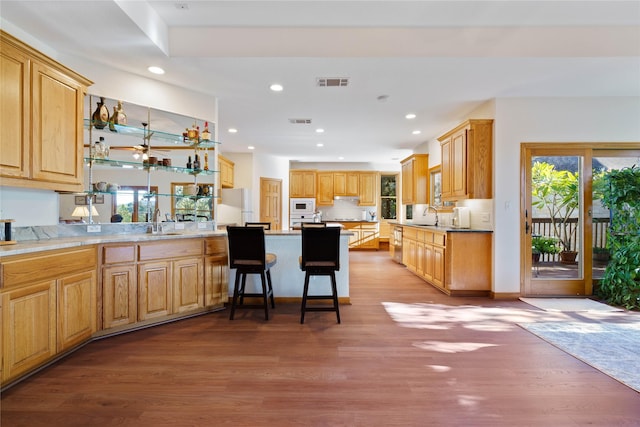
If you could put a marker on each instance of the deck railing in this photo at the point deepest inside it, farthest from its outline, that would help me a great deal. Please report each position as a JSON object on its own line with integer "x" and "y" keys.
{"x": 544, "y": 227}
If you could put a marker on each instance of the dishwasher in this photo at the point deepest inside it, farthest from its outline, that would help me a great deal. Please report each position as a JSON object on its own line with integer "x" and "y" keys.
{"x": 397, "y": 243}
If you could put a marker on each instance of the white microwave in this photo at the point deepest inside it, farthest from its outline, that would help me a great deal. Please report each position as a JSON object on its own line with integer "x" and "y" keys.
{"x": 299, "y": 206}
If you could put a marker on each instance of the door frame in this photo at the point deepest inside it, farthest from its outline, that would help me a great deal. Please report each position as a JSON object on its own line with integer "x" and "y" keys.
{"x": 587, "y": 151}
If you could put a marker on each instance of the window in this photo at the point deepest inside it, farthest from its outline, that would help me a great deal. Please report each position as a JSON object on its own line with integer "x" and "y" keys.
{"x": 388, "y": 197}
{"x": 134, "y": 203}
{"x": 191, "y": 202}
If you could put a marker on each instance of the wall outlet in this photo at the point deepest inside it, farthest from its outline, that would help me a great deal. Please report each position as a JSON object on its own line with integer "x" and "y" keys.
{"x": 202, "y": 226}
{"x": 93, "y": 228}
{"x": 485, "y": 217}
{"x": 179, "y": 225}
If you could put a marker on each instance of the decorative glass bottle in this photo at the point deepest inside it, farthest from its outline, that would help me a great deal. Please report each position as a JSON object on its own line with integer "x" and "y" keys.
{"x": 100, "y": 117}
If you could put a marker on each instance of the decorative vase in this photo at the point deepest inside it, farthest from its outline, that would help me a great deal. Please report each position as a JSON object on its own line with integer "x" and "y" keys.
{"x": 100, "y": 117}
{"x": 568, "y": 257}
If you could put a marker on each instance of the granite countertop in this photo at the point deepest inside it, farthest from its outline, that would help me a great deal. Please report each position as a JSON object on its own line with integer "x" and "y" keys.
{"x": 442, "y": 228}
{"x": 32, "y": 246}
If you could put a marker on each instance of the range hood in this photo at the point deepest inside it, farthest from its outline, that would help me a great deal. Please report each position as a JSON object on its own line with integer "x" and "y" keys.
{"x": 351, "y": 198}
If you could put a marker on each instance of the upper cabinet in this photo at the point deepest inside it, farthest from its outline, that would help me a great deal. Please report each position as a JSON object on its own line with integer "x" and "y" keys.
{"x": 467, "y": 171}
{"x": 226, "y": 172}
{"x": 345, "y": 183}
{"x": 324, "y": 195}
{"x": 302, "y": 183}
{"x": 41, "y": 104}
{"x": 415, "y": 179}
{"x": 368, "y": 188}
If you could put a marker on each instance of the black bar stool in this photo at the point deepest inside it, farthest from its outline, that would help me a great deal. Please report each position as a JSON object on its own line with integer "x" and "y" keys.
{"x": 320, "y": 257}
{"x": 247, "y": 255}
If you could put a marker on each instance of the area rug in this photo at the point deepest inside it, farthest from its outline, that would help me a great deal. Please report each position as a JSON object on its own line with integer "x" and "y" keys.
{"x": 569, "y": 304}
{"x": 611, "y": 348}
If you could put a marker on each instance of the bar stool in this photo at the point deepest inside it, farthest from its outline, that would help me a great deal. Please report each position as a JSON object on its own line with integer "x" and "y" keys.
{"x": 320, "y": 257}
{"x": 247, "y": 255}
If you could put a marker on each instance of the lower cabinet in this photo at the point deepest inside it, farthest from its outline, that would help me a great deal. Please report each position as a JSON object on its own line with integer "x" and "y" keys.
{"x": 456, "y": 262}
{"x": 119, "y": 295}
{"x": 216, "y": 272}
{"x": 365, "y": 235}
{"x": 48, "y": 307}
{"x": 29, "y": 333}
{"x": 154, "y": 290}
{"x": 188, "y": 285}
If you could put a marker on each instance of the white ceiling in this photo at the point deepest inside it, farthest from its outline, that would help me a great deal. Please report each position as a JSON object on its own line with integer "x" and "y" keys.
{"x": 437, "y": 59}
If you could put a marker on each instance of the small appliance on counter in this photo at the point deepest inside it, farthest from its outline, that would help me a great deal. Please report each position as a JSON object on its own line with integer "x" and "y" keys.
{"x": 461, "y": 217}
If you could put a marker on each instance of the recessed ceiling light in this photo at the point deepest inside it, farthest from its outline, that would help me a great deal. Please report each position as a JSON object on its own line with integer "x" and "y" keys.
{"x": 319, "y": 144}
{"x": 340, "y": 158}
{"x": 233, "y": 130}
{"x": 251, "y": 147}
{"x": 276, "y": 87}
{"x": 410, "y": 116}
{"x": 319, "y": 130}
{"x": 416, "y": 132}
{"x": 155, "y": 70}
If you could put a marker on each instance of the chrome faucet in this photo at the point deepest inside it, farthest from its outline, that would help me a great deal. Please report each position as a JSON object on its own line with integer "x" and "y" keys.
{"x": 156, "y": 221}
{"x": 426, "y": 211}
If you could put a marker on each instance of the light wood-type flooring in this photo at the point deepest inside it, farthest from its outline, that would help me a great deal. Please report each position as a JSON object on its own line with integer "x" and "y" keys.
{"x": 404, "y": 355}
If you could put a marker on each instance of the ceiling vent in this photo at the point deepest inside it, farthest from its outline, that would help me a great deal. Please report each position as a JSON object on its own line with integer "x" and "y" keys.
{"x": 332, "y": 81}
{"x": 300, "y": 121}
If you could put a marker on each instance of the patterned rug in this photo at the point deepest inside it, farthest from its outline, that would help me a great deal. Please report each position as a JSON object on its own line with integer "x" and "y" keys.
{"x": 611, "y": 348}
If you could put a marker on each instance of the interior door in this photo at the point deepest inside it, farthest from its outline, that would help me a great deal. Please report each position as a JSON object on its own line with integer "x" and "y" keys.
{"x": 271, "y": 202}
{"x": 556, "y": 207}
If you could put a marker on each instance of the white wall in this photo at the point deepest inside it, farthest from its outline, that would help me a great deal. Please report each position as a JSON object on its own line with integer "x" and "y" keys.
{"x": 519, "y": 120}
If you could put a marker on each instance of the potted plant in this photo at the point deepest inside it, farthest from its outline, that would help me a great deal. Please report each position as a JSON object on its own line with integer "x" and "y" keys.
{"x": 601, "y": 254}
{"x": 556, "y": 192}
{"x": 543, "y": 245}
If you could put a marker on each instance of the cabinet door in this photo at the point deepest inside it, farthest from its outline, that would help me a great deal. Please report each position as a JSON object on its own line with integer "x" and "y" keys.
{"x": 29, "y": 334}
{"x": 188, "y": 285}
{"x": 428, "y": 262}
{"x": 154, "y": 290}
{"x": 226, "y": 172}
{"x": 369, "y": 237}
{"x": 57, "y": 139}
{"x": 368, "y": 188}
{"x": 459, "y": 164}
{"x": 14, "y": 113}
{"x": 345, "y": 183}
{"x": 447, "y": 169}
{"x": 407, "y": 182}
{"x": 76, "y": 309}
{"x": 302, "y": 183}
{"x": 216, "y": 281}
{"x": 325, "y": 188}
{"x": 119, "y": 295}
{"x": 438, "y": 266}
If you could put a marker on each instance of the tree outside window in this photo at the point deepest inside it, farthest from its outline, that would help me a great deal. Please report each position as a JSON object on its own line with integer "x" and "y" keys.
{"x": 388, "y": 197}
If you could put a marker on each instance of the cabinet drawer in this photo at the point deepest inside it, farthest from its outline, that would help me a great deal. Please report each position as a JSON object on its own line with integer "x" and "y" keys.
{"x": 50, "y": 264}
{"x": 439, "y": 239}
{"x": 118, "y": 254}
{"x": 217, "y": 246}
{"x": 410, "y": 232}
{"x": 170, "y": 249}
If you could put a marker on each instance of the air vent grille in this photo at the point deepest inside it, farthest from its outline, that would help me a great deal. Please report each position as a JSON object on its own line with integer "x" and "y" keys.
{"x": 300, "y": 121}
{"x": 332, "y": 81}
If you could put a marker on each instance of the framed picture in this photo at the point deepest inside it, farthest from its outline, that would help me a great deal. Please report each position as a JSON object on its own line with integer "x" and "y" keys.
{"x": 97, "y": 199}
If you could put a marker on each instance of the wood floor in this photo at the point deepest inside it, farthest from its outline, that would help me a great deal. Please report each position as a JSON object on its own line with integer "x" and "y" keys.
{"x": 404, "y": 355}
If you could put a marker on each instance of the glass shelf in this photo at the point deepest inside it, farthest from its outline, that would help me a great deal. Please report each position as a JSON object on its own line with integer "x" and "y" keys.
{"x": 142, "y": 166}
{"x": 155, "y": 135}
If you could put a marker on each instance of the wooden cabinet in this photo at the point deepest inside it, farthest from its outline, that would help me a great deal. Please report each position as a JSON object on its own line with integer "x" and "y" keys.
{"x": 324, "y": 195}
{"x": 467, "y": 171}
{"x": 457, "y": 263}
{"x": 415, "y": 179}
{"x": 41, "y": 136}
{"x": 76, "y": 309}
{"x": 368, "y": 188}
{"x": 226, "y": 168}
{"x": 365, "y": 234}
{"x": 49, "y": 306}
{"x": 216, "y": 279}
{"x": 345, "y": 183}
{"x": 119, "y": 286}
{"x": 302, "y": 183}
{"x": 154, "y": 290}
{"x": 29, "y": 333}
{"x": 188, "y": 284}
